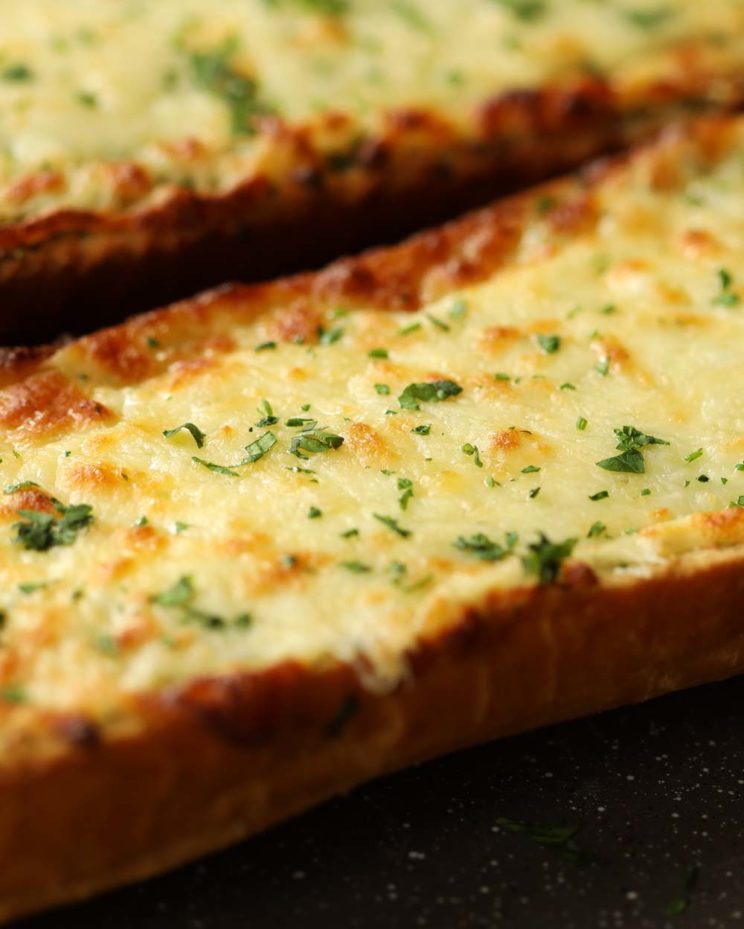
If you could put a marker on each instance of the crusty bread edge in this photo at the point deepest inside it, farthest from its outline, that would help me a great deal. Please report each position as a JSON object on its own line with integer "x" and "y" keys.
{"x": 220, "y": 759}
{"x": 79, "y": 270}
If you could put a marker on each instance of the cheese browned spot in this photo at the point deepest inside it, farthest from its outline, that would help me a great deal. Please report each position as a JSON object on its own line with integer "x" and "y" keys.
{"x": 46, "y": 404}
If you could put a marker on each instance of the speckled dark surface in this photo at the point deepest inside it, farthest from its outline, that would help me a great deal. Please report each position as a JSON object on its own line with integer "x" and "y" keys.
{"x": 656, "y": 790}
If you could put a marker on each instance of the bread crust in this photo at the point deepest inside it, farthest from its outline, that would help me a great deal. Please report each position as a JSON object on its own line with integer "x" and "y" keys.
{"x": 74, "y": 270}
{"x": 178, "y": 773}
{"x": 214, "y": 761}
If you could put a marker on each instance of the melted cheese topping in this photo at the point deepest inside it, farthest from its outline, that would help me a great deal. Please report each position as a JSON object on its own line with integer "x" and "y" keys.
{"x": 177, "y": 86}
{"x": 353, "y": 550}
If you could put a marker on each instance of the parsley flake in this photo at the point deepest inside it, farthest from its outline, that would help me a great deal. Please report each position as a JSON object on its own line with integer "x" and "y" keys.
{"x": 197, "y": 435}
{"x": 549, "y": 343}
{"x": 631, "y": 441}
{"x": 545, "y": 558}
{"x": 393, "y": 525}
{"x": 262, "y": 445}
{"x": 472, "y": 451}
{"x": 484, "y": 548}
{"x": 313, "y": 442}
{"x": 41, "y": 531}
{"x": 431, "y": 392}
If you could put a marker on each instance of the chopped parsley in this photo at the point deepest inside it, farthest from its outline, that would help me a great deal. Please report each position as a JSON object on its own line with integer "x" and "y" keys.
{"x": 301, "y": 422}
{"x": 18, "y": 73}
{"x": 41, "y": 531}
{"x": 560, "y": 838}
{"x": 582, "y": 423}
{"x": 407, "y": 330}
{"x": 481, "y": 546}
{"x": 313, "y": 442}
{"x": 382, "y": 389}
{"x": 214, "y": 73}
{"x": 648, "y": 19}
{"x": 596, "y": 530}
{"x": 314, "y": 513}
{"x": 472, "y": 451}
{"x": 197, "y": 435}
{"x": 631, "y": 441}
{"x": 545, "y": 558}
{"x": 600, "y": 495}
{"x": 437, "y": 322}
{"x": 393, "y": 525}
{"x": 549, "y": 343}
{"x": 534, "y": 492}
{"x": 681, "y": 903}
{"x": 405, "y": 485}
{"x": 526, "y": 10}
{"x": 425, "y": 429}
{"x": 13, "y": 693}
{"x": 265, "y": 346}
{"x": 181, "y": 596}
{"x": 431, "y": 392}
{"x": 213, "y": 466}
{"x": 268, "y": 418}
{"x": 603, "y": 366}
{"x": 693, "y": 456}
{"x": 356, "y": 567}
{"x": 726, "y": 296}
{"x": 378, "y": 353}
{"x": 410, "y": 13}
{"x": 31, "y": 588}
{"x": 530, "y": 469}
{"x": 330, "y": 336}
{"x": 260, "y": 447}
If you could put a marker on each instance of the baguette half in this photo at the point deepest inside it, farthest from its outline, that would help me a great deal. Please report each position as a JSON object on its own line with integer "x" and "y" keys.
{"x": 263, "y": 545}
{"x": 151, "y": 149}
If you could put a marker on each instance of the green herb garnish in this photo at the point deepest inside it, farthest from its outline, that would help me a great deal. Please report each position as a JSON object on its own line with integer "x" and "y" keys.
{"x": 262, "y": 445}
{"x": 196, "y": 433}
{"x": 432, "y": 392}
{"x": 545, "y": 558}
{"x": 393, "y": 525}
{"x": 313, "y": 442}
{"x": 549, "y": 343}
{"x": 484, "y": 548}
{"x": 632, "y": 440}
{"x": 41, "y": 531}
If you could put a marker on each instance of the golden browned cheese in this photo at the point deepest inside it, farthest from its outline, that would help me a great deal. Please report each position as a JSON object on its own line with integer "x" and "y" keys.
{"x": 134, "y": 133}
{"x": 487, "y": 479}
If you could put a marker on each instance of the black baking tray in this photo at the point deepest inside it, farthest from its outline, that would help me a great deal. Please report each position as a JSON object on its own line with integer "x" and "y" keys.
{"x": 629, "y": 819}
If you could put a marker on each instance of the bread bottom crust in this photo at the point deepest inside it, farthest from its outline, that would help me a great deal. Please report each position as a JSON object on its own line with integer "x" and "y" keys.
{"x": 221, "y": 759}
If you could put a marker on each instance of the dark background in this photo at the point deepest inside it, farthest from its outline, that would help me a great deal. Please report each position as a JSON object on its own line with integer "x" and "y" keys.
{"x": 654, "y": 792}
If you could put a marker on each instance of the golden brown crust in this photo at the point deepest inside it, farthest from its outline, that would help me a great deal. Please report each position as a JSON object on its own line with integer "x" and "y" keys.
{"x": 81, "y": 269}
{"x": 216, "y": 760}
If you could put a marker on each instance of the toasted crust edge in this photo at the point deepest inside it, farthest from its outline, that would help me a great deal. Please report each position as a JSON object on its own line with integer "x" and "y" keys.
{"x": 79, "y": 270}
{"x": 222, "y": 758}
